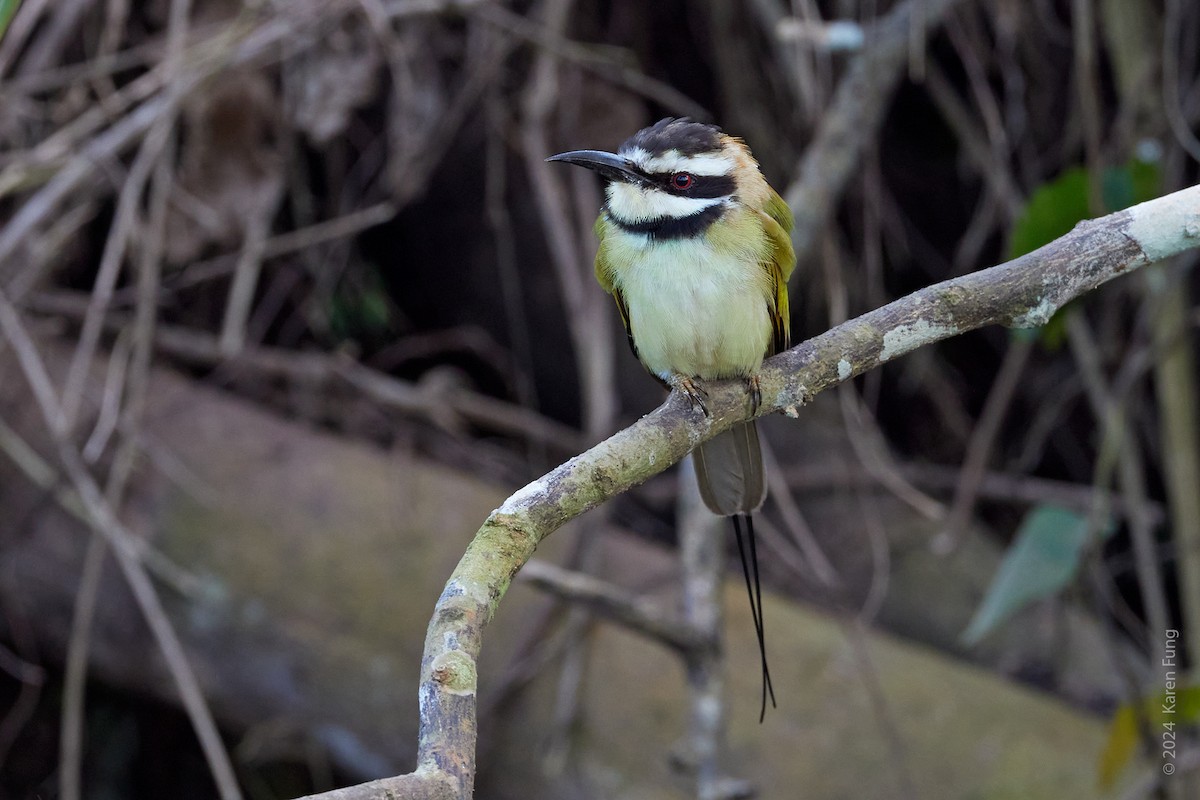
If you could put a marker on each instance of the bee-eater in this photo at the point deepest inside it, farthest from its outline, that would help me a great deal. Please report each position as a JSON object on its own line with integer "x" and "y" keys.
{"x": 695, "y": 248}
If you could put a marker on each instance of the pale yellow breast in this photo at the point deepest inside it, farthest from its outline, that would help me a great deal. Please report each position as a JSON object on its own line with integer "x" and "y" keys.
{"x": 697, "y": 309}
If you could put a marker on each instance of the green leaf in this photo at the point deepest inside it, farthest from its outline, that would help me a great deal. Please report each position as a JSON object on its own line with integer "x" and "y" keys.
{"x": 1052, "y": 211}
{"x": 1122, "y": 743}
{"x": 1059, "y": 205}
{"x": 1042, "y": 560}
{"x": 7, "y": 9}
{"x": 1120, "y": 746}
{"x": 1116, "y": 187}
{"x": 360, "y": 307}
{"x": 1146, "y": 177}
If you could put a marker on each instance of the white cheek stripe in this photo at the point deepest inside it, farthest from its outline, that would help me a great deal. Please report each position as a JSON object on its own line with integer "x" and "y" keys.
{"x": 674, "y": 161}
{"x": 634, "y": 204}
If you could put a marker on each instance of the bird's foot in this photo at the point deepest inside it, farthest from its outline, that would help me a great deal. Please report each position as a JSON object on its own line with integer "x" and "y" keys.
{"x": 693, "y": 391}
{"x": 755, "y": 394}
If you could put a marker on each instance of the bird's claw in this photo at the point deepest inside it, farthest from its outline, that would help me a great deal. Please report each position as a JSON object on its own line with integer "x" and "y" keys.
{"x": 693, "y": 391}
{"x": 755, "y": 394}
{"x": 696, "y": 394}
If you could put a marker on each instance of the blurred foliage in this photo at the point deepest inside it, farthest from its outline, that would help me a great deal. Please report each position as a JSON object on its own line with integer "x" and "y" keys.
{"x": 1053, "y": 209}
{"x": 7, "y": 9}
{"x": 1043, "y": 559}
{"x": 1166, "y": 717}
{"x": 1058, "y": 205}
{"x": 360, "y": 308}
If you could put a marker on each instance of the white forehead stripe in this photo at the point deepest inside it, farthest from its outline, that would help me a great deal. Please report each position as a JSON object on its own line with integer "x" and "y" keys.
{"x": 708, "y": 164}
{"x": 633, "y": 204}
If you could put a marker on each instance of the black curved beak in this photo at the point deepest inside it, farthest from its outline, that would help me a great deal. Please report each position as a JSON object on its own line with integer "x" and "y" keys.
{"x": 609, "y": 165}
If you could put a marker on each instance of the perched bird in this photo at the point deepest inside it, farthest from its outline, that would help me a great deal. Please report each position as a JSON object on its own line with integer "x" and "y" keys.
{"x": 695, "y": 248}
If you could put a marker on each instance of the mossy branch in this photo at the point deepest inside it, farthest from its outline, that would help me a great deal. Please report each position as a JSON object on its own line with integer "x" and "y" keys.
{"x": 1021, "y": 293}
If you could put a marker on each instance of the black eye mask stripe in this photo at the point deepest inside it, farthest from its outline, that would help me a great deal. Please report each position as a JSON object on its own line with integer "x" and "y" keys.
{"x": 703, "y": 186}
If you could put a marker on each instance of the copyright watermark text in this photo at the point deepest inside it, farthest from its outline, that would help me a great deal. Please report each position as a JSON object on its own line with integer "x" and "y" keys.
{"x": 1170, "y": 665}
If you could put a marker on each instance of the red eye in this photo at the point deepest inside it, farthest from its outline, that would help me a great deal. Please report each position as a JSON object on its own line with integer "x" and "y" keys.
{"x": 682, "y": 180}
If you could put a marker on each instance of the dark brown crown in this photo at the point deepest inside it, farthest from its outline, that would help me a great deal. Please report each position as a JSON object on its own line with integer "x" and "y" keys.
{"x": 687, "y": 137}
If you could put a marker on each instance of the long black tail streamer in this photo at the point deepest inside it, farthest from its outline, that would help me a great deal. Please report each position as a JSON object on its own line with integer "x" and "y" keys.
{"x": 754, "y": 590}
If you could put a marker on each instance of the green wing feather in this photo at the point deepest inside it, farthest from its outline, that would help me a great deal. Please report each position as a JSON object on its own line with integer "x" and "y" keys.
{"x": 604, "y": 276}
{"x": 778, "y": 210}
{"x": 604, "y": 272}
{"x": 781, "y": 260}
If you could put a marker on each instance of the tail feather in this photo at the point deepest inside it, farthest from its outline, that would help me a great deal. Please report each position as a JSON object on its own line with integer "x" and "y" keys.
{"x": 754, "y": 590}
{"x": 729, "y": 470}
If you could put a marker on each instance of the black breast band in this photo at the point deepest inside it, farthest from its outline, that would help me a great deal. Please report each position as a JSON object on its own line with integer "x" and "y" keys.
{"x": 672, "y": 227}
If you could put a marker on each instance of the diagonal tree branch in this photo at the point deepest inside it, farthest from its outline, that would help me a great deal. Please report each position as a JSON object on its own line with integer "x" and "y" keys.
{"x": 1024, "y": 292}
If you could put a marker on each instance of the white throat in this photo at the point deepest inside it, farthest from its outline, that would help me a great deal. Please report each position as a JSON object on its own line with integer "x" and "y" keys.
{"x": 635, "y": 204}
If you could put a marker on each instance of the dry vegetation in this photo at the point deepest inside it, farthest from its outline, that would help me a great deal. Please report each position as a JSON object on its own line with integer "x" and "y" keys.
{"x": 340, "y": 209}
